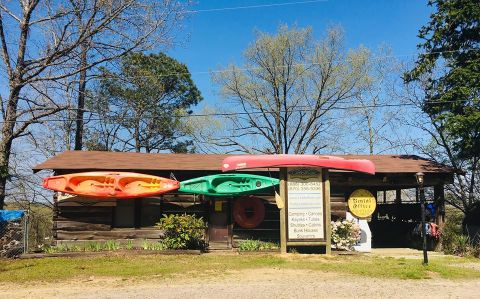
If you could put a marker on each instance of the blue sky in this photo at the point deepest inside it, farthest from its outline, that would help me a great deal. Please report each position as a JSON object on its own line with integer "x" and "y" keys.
{"x": 212, "y": 39}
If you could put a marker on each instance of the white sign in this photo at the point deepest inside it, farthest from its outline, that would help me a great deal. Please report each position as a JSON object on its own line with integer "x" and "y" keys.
{"x": 305, "y": 210}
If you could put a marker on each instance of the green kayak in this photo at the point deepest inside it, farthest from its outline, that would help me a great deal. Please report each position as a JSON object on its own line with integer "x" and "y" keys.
{"x": 227, "y": 184}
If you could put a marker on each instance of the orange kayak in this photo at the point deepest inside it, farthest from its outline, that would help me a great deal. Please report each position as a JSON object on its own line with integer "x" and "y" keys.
{"x": 110, "y": 184}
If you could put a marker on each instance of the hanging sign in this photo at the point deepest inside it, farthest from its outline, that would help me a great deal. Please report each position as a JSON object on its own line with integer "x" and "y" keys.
{"x": 305, "y": 205}
{"x": 362, "y": 203}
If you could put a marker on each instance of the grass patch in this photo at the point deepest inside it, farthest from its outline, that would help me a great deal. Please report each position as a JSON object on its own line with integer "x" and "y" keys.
{"x": 389, "y": 267}
{"x": 163, "y": 266}
{"x": 55, "y": 269}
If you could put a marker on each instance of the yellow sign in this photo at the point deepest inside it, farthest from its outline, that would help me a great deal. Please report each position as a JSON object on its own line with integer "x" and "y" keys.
{"x": 362, "y": 203}
{"x": 218, "y": 206}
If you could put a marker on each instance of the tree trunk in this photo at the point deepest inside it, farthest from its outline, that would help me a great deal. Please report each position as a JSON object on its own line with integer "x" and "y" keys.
{"x": 82, "y": 83}
{"x": 3, "y": 183}
{"x": 6, "y": 141}
{"x": 370, "y": 134}
{"x": 4, "y": 161}
{"x": 137, "y": 138}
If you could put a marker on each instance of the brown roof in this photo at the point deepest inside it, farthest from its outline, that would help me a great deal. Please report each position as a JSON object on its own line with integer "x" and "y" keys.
{"x": 95, "y": 160}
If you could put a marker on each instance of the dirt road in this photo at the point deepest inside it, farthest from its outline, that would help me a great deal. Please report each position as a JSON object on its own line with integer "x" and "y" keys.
{"x": 259, "y": 283}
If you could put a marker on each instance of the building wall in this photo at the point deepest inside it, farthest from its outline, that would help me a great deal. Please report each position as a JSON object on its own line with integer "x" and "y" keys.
{"x": 81, "y": 219}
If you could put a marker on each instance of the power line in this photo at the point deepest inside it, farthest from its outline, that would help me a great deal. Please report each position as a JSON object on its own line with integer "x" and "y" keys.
{"x": 254, "y": 6}
{"x": 303, "y": 109}
{"x": 237, "y": 69}
{"x": 274, "y": 66}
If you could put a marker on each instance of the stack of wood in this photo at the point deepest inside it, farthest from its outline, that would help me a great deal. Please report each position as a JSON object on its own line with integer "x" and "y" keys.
{"x": 11, "y": 239}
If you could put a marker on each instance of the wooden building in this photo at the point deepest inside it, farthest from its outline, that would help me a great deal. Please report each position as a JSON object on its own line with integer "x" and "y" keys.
{"x": 78, "y": 219}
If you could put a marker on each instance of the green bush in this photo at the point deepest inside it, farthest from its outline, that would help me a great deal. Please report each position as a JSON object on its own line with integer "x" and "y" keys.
{"x": 451, "y": 231}
{"x": 452, "y": 237}
{"x": 460, "y": 245}
{"x": 182, "y": 231}
{"x": 256, "y": 245}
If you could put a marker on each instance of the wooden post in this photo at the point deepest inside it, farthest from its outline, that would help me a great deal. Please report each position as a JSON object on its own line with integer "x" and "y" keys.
{"x": 283, "y": 216}
{"x": 326, "y": 192}
{"x": 398, "y": 196}
{"x": 55, "y": 216}
{"x": 439, "y": 198}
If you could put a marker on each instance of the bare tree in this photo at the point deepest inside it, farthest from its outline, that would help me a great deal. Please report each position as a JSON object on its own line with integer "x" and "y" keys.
{"x": 40, "y": 44}
{"x": 374, "y": 115}
{"x": 283, "y": 96}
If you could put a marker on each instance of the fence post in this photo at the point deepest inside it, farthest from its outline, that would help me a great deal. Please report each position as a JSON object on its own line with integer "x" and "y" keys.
{"x": 25, "y": 232}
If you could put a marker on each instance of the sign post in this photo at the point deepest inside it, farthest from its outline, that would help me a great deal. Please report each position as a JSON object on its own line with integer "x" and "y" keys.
{"x": 305, "y": 219}
{"x": 283, "y": 196}
{"x": 328, "y": 215}
{"x": 304, "y": 200}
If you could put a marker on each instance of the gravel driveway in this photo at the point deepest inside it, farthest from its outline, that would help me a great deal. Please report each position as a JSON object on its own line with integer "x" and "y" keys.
{"x": 259, "y": 283}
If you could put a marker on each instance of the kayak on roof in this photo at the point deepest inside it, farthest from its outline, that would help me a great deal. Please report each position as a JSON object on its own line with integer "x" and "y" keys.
{"x": 266, "y": 161}
{"x": 110, "y": 184}
{"x": 227, "y": 184}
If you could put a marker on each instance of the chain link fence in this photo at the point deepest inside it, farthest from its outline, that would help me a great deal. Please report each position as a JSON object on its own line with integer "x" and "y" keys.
{"x": 13, "y": 235}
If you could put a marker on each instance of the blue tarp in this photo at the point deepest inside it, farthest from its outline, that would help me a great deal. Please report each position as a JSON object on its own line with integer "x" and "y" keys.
{"x": 8, "y": 215}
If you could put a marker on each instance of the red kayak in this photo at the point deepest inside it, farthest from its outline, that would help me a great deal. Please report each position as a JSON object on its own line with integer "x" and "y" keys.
{"x": 265, "y": 161}
{"x": 110, "y": 184}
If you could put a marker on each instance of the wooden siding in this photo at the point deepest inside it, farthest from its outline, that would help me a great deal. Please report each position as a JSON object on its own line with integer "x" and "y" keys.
{"x": 86, "y": 219}
{"x": 79, "y": 218}
{"x": 269, "y": 229}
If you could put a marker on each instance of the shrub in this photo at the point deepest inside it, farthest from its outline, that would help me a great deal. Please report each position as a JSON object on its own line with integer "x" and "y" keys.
{"x": 345, "y": 234}
{"x": 453, "y": 239}
{"x": 256, "y": 245}
{"x": 451, "y": 231}
{"x": 182, "y": 231}
{"x": 460, "y": 245}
